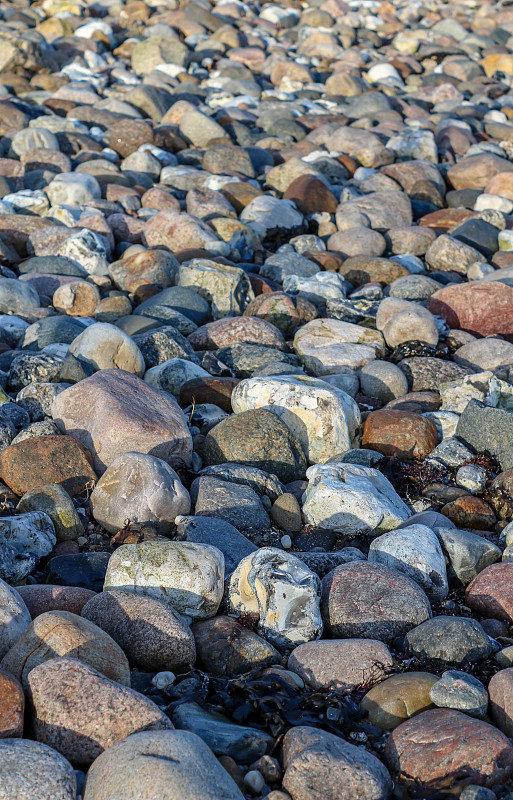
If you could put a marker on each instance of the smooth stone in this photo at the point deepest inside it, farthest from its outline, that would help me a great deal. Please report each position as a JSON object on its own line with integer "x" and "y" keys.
{"x": 240, "y": 742}
{"x": 61, "y": 633}
{"x": 468, "y": 554}
{"x": 324, "y": 418}
{"x": 234, "y": 503}
{"x": 105, "y": 346}
{"x": 338, "y": 666}
{"x": 56, "y": 502}
{"x": 415, "y": 551}
{"x": 351, "y": 499}
{"x": 451, "y": 640}
{"x": 138, "y": 417}
{"x": 219, "y": 533}
{"x": 328, "y": 346}
{"x": 398, "y": 698}
{"x": 82, "y": 570}
{"x": 148, "y": 631}
{"x": 141, "y": 488}
{"x": 320, "y": 764}
{"x": 14, "y": 617}
{"x": 30, "y": 769}
{"x": 366, "y": 600}
{"x": 186, "y": 576}
{"x": 227, "y": 648}
{"x": 40, "y": 598}
{"x": 460, "y": 691}
{"x": 490, "y": 593}
{"x": 399, "y": 434}
{"x": 383, "y": 381}
{"x": 440, "y": 743}
{"x": 170, "y": 765}
{"x": 81, "y": 713}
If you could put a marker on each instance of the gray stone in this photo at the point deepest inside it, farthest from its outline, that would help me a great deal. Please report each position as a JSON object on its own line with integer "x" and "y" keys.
{"x": 219, "y": 533}
{"x": 482, "y": 427}
{"x": 468, "y": 554}
{"x": 170, "y": 765}
{"x": 223, "y": 737}
{"x": 141, "y": 488}
{"x": 461, "y": 691}
{"x": 234, "y": 503}
{"x": 451, "y": 640}
{"x": 31, "y": 769}
{"x": 14, "y": 617}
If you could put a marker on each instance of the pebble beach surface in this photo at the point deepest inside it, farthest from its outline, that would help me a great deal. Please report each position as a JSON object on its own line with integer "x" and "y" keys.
{"x": 256, "y": 400}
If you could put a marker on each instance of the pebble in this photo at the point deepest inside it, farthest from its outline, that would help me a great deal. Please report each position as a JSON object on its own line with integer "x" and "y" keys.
{"x": 255, "y": 324}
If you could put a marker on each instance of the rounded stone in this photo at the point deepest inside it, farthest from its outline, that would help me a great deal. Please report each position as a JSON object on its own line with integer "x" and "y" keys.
{"x": 61, "y": 633}
{"x": 383, "y": 381}
{"x": 104, "y": 346}
{"x": 30, "y": 769}
{"x": 77, "y": 299}
{"x": 398, "y": 698}
{"x": 364, "y": 600}
{"x": 450, "y": 640}
{"x": 441, "y": 743}
{"x": 400, "y": 434}
{"x": 148, "y": 631}
{"x": 341, "y": 666}
{"x": 81, "y": 713}
{"x": 141, "y": 488}
{"x": 170, "y": 765}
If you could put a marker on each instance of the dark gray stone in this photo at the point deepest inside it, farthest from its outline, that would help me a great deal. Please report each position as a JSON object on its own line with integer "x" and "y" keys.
{"x": 231, "y": 502}
{"x": 482, "y": 427}
{"x": 219, "y": 533}
{"x": 451, "y": 640}
{"x": 467, "y": 552}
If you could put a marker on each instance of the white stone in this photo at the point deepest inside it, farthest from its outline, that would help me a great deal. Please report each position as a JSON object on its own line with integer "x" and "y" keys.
{"x": 32, "y": 532}
{"x": 14, "y": 617}
{"x": 141, "y": 488}
{"x": 87, "y": 249}
{"x": 457, "y": 394}
{"x": 402, "y": 321}
{"x": 505, "y": 239}
{"x": 416, "y": 552}
{"x": 411, "y": 143}
{"x": 316, "y": 289}
{"x": 187, "y": 576}
{"x": 327, "y": 346}
{"x": 325, "y": 419}
{"x": 106, "y": 346}
{"x": 383, "y": 72}
{"x": 73, "y": 189}
{"x": 171, "y": 375}
{"x": 284, "y": 593}
{"x": 351, "y": 499}
{"x": 265, "y": 213}
{"x": 445, "y": 422}
{"x": 472, "y": 478}
{"x": 494, "y": 201}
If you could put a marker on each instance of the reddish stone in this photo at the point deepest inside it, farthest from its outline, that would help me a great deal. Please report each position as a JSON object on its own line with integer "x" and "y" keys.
{"x": 401, "y": 434}
{"x": 17, "y": 228}
{"x": 126, "y": 136}
{"x": 482, "y": 308}
{"x": 491, "y": 592}
{"x": 232, "y": 330}
{"x": 240, "y": 194}
{"x": 367, "y": 600}
{"x": 501, "y": 184}
{"x": 160, "y": 200}
{"x": 502, "y": 259}
{"x": 475, "y": 172}
{"x": 330, "y": 261}
{"x": 313, "y": 121}
{"x": 446, "y": 218}
{"x": 65, "y": 548}
{"x": 441, "y": 744}
{"x": 500, "y": 689}
{"x": 470, "y": 512}
{"x": 262, "y": 285}
{"x": 311, "y": 195}
{"x": 12, "y": 706}
{"x": 47, "y": 459}
{"x": 277, "y": 308}
{"x": 209, "y": 390}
